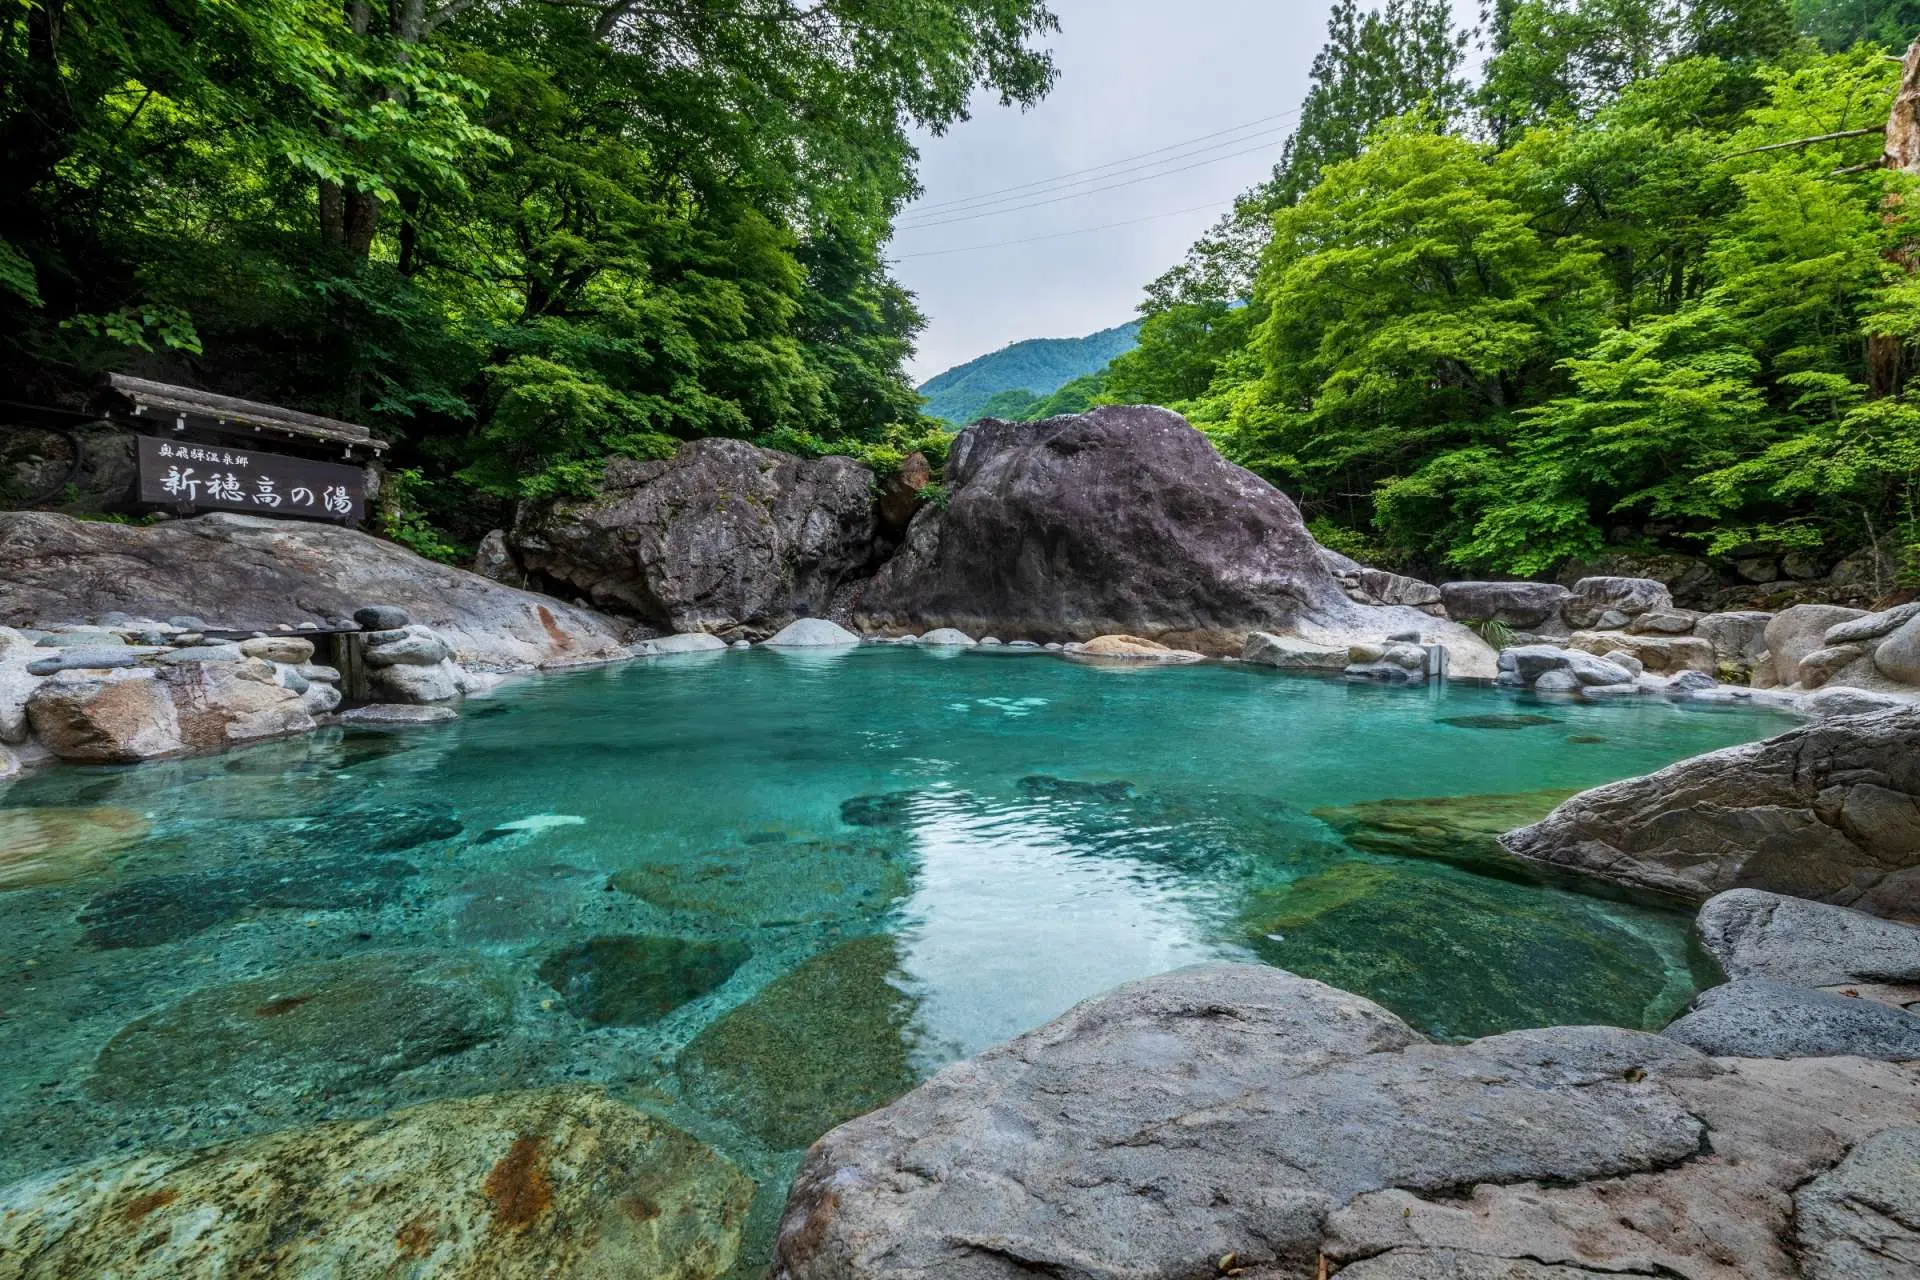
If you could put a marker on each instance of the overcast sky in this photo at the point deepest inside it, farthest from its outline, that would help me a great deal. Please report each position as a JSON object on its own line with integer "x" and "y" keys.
{"x": 1135, "y": 76}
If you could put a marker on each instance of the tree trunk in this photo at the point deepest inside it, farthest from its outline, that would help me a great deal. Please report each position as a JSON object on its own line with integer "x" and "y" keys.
{"x": 1887, "y": 355}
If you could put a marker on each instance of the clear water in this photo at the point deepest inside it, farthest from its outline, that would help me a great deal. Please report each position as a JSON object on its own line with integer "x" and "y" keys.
{"x": 758, "y": 893}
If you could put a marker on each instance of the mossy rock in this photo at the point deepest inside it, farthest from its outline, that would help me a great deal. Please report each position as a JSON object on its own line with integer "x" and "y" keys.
{"x": 819, "y": 1046}
{"x": 1463, "y": 956}
{"x": 637, "y": 980}
{"x": 801, "y": 882}
{"x": 49, "y": 846}
{"x": 560, "y": 1184}
{"x": 1463, "y": 830}
{"x": 312, "y": 1028}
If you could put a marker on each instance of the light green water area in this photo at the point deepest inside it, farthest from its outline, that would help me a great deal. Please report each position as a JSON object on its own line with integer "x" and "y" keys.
{"x": 760, "y": 893}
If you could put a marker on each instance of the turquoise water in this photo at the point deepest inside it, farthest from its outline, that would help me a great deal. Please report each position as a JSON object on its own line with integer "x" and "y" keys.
{"x": 759, "y": 893}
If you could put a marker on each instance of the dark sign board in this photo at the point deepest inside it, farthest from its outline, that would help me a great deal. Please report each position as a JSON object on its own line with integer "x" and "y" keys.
{"x": 206, "y": 477}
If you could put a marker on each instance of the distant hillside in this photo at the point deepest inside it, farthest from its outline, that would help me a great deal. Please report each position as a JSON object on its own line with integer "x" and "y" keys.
{"x": 1038, "y": 366}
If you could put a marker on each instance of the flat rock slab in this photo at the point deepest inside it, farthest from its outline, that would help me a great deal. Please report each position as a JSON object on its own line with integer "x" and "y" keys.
{"x": 1754, "y": 934}
{"x": 1228, "y": 1118}
{"x": 1217, "y": 1110}
{"x": 1761, "y": 1019}
{"x": 396, "y": 714}
{"x": 559, "y": 1184}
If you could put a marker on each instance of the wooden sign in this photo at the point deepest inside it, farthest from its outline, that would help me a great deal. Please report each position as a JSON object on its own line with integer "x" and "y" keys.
{"x": 206, "y": 477}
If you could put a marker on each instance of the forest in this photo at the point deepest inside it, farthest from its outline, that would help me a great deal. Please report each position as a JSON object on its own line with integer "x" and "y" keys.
{"x": 1642, "y": 286}
{"x": 1595, "y": 275}
{"x": 516, "y": 237}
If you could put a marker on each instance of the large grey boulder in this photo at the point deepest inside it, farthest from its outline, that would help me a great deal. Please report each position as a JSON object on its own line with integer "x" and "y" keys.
{"x": 1526, "y": 606}
{"x": 1754, "y": 934}
{"x": 1593, "y": 598}
{"x": 1829, "y": 811}
{"x": 1123, "y": 521}
{"x": 1794, "y": 633}
{"x": 1738, "y": 639}
{"x": 1659, "y": 654}
{"x": 1758, "y": 1018}
{"x": 723, "y": 537}
{"x": 1233, "y": 1117}
{"x": 1898, "y": 656}
{"x": 249, "y": 572}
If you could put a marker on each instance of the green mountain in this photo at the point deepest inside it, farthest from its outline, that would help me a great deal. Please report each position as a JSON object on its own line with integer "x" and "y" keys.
{"x": 1039, "y": 367}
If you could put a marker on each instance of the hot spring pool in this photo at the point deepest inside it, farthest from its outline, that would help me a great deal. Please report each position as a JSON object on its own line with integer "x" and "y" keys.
{"x": 759, "y": 893}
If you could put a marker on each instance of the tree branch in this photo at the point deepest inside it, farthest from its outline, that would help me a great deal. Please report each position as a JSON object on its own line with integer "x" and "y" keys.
{"x": 1808, "y": 142}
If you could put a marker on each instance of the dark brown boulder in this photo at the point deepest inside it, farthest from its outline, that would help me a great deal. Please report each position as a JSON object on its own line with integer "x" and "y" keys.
{"x": 900, "y": 496}
{"x": 1829, "y": 812}
{"x": 724, "y": 537}
{"x": 1120, "y": 520}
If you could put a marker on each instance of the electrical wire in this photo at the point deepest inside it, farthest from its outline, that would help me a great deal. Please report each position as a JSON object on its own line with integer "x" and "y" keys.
{"x": 987, "y": 197}
{"x": 1038, "y": 204}
{"x": 1060, "y": 235}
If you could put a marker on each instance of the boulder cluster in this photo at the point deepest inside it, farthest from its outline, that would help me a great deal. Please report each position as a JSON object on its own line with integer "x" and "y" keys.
{"x": 128, "y": 689}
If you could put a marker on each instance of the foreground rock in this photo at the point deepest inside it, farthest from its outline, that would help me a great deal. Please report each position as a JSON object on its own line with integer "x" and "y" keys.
{"x": 1829, "y": 812}
{"x": 723, "y": 537}
{"x": 551, "y": 1184}
{"x": 1124, "y": 521}
{"x": 813, "y": 633}
{"x": 1235, "y": 1117}
{"x": 250, "y": 573}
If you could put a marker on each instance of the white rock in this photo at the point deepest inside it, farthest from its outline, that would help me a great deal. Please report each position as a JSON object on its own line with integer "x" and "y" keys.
{"x": 813, "y": 633}
{"x": 947, "y": 638}
{"x": 686, "y": 642}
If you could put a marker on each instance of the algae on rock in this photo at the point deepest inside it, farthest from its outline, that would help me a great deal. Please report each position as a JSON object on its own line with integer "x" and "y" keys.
{"x": 817, "y": 1047}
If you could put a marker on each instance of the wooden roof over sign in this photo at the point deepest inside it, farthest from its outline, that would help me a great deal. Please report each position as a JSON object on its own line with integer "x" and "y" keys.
{"x": 159, "y": 400}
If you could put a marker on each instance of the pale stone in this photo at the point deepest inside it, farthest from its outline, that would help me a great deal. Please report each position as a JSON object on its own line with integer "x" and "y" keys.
{"x": 105, "y": 717}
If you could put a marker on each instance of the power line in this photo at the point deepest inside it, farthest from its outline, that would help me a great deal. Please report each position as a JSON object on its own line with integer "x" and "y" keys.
{"x": 1059, "y": 235}
{"x": 920, "y": 226}
{"x": 986, "y": 196}
{"x": 986, "y": 207}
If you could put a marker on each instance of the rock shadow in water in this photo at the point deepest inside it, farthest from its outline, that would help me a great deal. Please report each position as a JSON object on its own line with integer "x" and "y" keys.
{"x": 1457, "y": 955}
{"x": 168, "y": 908}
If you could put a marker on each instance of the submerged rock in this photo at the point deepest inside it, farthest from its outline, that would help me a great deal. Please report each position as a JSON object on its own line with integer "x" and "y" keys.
{"x": 160, "y": 909}
{"x": 49, "y": 846}
{"x": 558, "y": 1184}
{"x": 1517, "y": 720}
{"x": 803, "y": 882}
{"x": 892, "y": 809}
{"x": 635, "y": 981}
{"x": 313, "y": 1028}
{"x": 1042, "y": 786}
{"x": 1829, "y": 811}
{"x": 1464, "y": 830}
{"x": 1404, "y": 938}
{"x": 817, "y": 1047}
